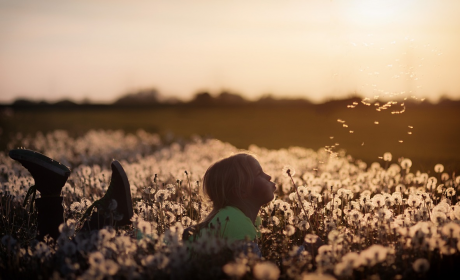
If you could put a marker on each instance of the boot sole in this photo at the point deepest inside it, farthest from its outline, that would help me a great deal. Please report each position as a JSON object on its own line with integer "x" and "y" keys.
{"x": 23, "y": 155}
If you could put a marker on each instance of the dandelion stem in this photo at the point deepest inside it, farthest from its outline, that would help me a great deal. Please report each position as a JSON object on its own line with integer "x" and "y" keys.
{"x": 297, "y": 192}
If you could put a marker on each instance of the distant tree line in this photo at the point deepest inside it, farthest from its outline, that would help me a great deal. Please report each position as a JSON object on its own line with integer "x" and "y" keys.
{"x": 151, "y": 97}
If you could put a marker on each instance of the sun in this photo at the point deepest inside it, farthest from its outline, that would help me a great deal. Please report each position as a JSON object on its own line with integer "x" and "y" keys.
{"x": 377, "y": 12}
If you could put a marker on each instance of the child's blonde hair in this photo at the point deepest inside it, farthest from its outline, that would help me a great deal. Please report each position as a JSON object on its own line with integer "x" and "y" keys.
{"x": 226, "y": 180}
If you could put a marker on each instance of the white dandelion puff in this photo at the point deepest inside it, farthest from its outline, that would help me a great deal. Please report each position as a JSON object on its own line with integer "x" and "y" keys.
{"x": 266, "y": 271}
{"x": 421, "y": 265}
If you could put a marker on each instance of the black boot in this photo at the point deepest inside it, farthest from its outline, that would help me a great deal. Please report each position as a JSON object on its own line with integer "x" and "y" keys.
{"x": 120, "y": 192}
{"x": 50, "y": 216}
{"x": 49, "y": 176}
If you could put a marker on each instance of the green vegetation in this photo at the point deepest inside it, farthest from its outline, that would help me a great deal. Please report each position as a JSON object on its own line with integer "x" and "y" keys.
{"x": 433, "y": 139}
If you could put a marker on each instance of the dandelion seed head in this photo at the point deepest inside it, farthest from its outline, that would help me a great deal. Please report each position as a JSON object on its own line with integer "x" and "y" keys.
{"x": 311, "y": 238}
{"x": 406, "y": 163}
{"x": 421, "y": 265}
{"x": 438, "y": 168}
{"x": 387, "y": 156}
{"x": 266, "y": 271}
{"x": 96, "y": 259}
{"x": 288, "y": 171}
{"x": 235, "y": 269}
{"x": 290, "y": 230}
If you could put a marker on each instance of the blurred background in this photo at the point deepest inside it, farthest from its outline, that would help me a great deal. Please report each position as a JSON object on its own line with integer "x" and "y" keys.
{"x": 366, "y": 76}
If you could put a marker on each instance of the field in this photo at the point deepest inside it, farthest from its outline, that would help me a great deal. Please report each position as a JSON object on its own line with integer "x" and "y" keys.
{"x": 433, "y": 139}
{"x": 392, "y": 218}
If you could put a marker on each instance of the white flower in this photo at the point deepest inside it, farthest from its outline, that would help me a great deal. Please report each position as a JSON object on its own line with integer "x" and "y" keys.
{"x": 378, "y": 200}
{"x": 76, "y": 207}
{"x": 450, "y": 191}
{"x": 451, "y": 229}
{"x": 162, "y": 195}
{"x": 387, "y": 156}
{"x": 375, "y": 254}
{"x": 274, "y": 221}
{"x": 144, "y": 227}
{"x": 266, "y": 271}
{"x": 317, "y": 276}
{"x": 303, "y": 225}
{"x": 235, "y": 269}
{"x": 288, "y": 171}
{"x": 438, "y": 217}
{"x": 109, "y": 267}
{"x": 290, "y": 230}
{"x": 343, "y": 269}
{"x": 96, "y": 259}
{"x": 354, "y": 215}
{"x": 414, "y": 200}
{"x": 421, "y": 265}
{"x": 311, "y": 238}
{"x": 333, "y": 236}
{"x": 406, "y": 163}
{"x": 438, "y": 168}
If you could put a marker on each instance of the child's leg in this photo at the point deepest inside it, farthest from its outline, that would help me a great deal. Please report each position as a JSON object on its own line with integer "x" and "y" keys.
{"x": 49, "y": 176}
{"x": 49, "y": 217}
{"x": 119, "y": 191}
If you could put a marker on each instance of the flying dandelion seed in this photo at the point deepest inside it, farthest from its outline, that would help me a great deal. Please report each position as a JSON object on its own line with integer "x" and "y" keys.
{"x": 351, "y": 131}
{"x": 376, "y": 122}
{"x": 345, "y": 125}
{"x": 409, "y": 132}
{"x": 400, "y": 141}
{"x": 331, "y": 137}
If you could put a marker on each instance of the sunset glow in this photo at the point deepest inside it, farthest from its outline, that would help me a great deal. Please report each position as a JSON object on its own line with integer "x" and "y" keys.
{"x": 313, "y": 49}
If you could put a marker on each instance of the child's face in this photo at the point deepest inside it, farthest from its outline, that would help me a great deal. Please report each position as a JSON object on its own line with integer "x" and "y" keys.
{"x": 262, "y": 191}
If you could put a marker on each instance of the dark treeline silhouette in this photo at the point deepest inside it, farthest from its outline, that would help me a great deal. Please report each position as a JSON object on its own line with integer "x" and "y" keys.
{"x": 152, "y": 98}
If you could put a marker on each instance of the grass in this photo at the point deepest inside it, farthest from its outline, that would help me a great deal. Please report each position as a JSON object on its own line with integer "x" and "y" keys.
{"x": 434, "y": 138}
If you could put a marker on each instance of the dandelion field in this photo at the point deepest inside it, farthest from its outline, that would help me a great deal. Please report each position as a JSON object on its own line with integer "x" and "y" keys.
{"x": 433, "y": 128}
{"x": 384, "y": 220}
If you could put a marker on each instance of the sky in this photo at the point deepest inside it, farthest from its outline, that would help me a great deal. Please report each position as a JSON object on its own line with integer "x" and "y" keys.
{"x": 315, "y": 49}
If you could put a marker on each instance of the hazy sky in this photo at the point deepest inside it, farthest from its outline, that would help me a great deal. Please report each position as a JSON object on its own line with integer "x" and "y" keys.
{"x": 100, "y": 49}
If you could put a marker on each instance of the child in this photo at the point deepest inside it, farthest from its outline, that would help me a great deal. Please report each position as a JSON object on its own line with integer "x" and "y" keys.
{"x": 237, "y": 187}
{"x": 50, "y": 176}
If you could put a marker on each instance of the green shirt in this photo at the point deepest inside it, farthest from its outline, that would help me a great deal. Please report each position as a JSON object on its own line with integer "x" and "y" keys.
{"x": 235, "y": 225}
